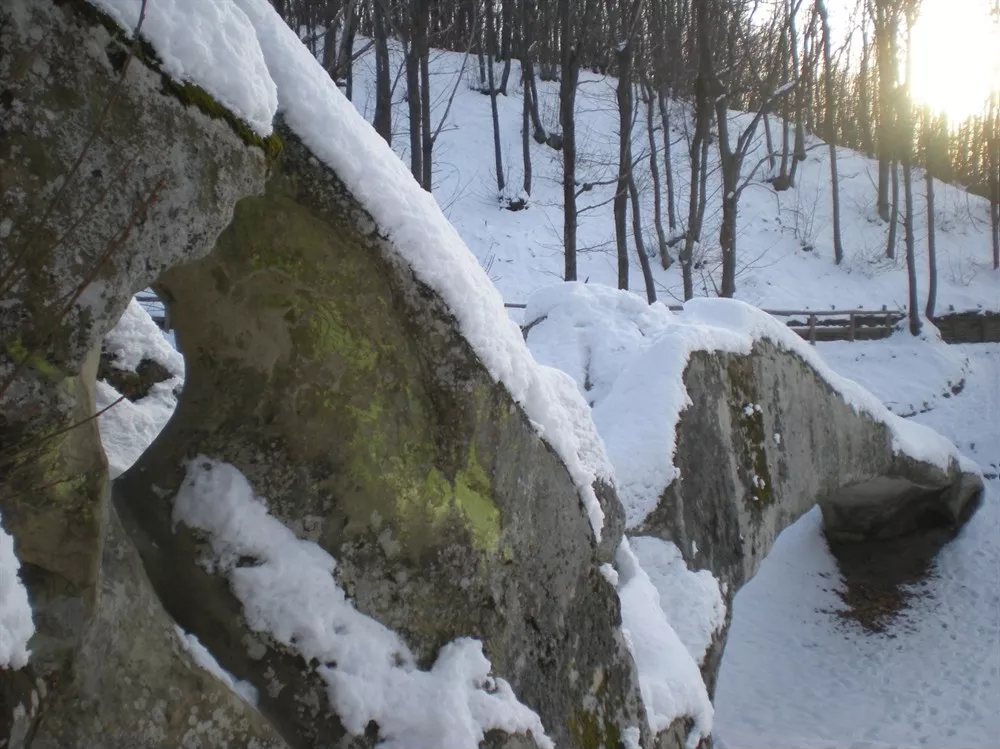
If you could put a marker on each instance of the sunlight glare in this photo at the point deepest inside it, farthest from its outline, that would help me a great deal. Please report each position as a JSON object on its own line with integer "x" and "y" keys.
{"x": 956, "y": 56}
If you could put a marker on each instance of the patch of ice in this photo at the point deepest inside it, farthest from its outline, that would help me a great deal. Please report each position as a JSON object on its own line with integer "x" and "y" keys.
{"x": 16, "y": 625}
{"x": 292, "y": 596}
{"x": 208, "y": 43}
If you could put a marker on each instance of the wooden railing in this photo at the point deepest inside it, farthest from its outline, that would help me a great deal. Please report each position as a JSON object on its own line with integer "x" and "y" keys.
{"x": 826, "y": 325}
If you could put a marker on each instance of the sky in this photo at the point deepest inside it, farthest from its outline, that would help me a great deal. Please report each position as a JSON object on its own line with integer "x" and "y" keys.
{"x": 956, "y": 60}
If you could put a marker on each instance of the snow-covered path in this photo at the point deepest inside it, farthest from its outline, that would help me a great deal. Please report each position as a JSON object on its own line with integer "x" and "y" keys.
{"x": 797, "y": 675}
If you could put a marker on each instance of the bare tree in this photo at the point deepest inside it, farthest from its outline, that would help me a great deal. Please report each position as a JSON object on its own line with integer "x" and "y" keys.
{"x": 567, "y": 120}
{"x": 383, "y": 85}
{"x": 831, "y": 132}
{"x": 654, "y": 172}
{"x": 491, "y": 41}
{"x": 623, "y": 57}
{"x": 906, "y": 146}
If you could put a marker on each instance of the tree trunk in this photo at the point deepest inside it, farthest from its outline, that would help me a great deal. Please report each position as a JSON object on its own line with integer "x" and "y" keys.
{"x": 730, "y": 165}
{"x": 330, "y": 47}
{"x": 640, "y": 244}
{"x": 703, "y": 181}
{"x": 772, "y": 162}
{"x": 995, "y": 226}
{"x": 911, "y": 259}
{"x": 783, "y": 181}
{"x": 831, "y": 133}
{"x": 383, "y": 84}
{"x": 507, "y": 18}
{"x": 993, "y": 178}
{"x": 727, "y": 243}
{"x": 864, "y": 96}
{"x": 668, "y": 166}
{"x": 529, "y": 17}
{"x": 931, "y": 248}
{"x": 413, "y": 105}
{"x": 525, "y": 128}
{"x": 623, "y": 58}
{"x": 886, "y": 83}
{"x": 491, "y": 39}
{"x": 906, "y": 108}
{"x": 654, "y": 172}
{"x": 798, "y": 153}
{"x": 567, "y": 115}
{"x": 427, "y": 136}
{"x": 890, "y": 247}
{"x": 699, "y": 146}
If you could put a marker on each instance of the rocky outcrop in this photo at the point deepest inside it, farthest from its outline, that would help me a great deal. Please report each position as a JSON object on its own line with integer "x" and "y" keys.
{"x": 318, "y": 365}
{"x": 760, "y": 433}
{"x": 96, "y": 200}
{"x": 106, "y": 179}
{"x": 381, "y": 405}
{"x": 785, "y": 441}
{"x": 340, "y": 387}
{"x": 802, "y": 445}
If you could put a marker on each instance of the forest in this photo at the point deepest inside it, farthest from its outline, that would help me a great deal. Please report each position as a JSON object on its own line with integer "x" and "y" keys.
{"x": 840, "y": 72}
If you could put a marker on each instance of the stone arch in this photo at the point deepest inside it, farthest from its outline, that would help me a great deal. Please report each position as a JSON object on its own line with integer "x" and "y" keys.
{"x": 319, "y": 366}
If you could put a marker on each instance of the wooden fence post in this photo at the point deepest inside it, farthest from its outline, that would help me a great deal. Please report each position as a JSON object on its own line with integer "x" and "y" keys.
{"x": 812, "y": 330}
{"x": 852, "y": 327}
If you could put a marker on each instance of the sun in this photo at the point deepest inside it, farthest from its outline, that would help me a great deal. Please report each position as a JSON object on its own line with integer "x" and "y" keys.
{"x": 956, "y": 56}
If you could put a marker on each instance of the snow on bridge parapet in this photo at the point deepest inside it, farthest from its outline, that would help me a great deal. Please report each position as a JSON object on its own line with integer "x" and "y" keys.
{"x": 629, "y": 360}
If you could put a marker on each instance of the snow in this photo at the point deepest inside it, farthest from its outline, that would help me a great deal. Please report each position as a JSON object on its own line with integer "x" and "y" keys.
{"x": 290, "y": 594}
{"x": 16, "y": 625}
{"x": 207, "y": 661}
{"x": 628, "y": 359}
{"x": 328, "y": 123}
{"x": 794, "y": 674}
{"x": 669, "y": 678}
{"x": 128, "y": 428}
{"x": 136, "y": 337}
{"x": 209, "y": 43}
{"x": 691, "y": 601}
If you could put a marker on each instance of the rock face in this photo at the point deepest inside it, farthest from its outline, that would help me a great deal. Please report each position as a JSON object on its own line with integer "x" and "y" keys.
{"x": 824, "y": 453}
{"x": 764, "y": 437}
{"x": 348, "y": 392}
{"x": 339, "y": 385}
{"x": 317, "y": 364}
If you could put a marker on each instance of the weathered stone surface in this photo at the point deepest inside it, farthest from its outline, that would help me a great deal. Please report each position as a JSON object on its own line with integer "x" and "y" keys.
{"x": 317, "y": 364}
{"x": 106, "y": 178}
{"x": 341, "y": 387}
{"x": 825, "y": 453}
{"x": 133, "y": 684}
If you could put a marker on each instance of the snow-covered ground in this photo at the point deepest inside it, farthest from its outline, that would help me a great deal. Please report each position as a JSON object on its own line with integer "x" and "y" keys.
{"x": 797, "y": 675}
{"x": 784, "y": 242}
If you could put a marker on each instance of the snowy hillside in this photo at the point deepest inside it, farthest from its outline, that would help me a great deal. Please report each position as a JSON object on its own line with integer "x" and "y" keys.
{"x": 784, "y": 244}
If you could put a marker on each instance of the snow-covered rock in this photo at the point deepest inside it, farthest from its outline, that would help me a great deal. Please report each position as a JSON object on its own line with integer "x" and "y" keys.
{"x": 724, "y": 427}
{"x": 347, "y": 356}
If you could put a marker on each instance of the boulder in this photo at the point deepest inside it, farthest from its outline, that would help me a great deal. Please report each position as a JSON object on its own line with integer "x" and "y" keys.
{"x": 107, "y": 177}
{"x": 342, "y": 388}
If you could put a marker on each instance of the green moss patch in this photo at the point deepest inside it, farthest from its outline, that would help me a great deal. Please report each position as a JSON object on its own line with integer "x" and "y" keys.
{"x": 747, "y": 417}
